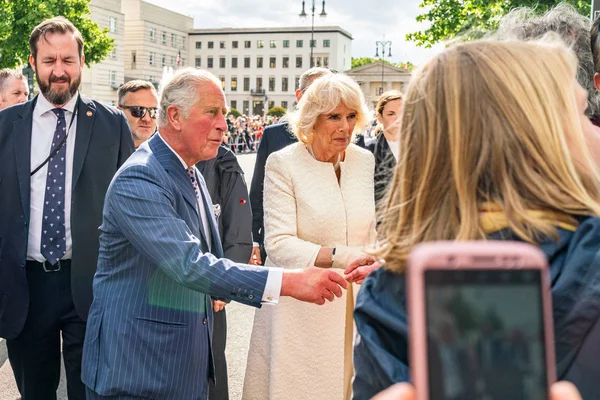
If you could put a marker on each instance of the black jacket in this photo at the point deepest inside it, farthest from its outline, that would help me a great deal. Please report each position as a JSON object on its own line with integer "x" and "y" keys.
{"x": 384, "y": 165}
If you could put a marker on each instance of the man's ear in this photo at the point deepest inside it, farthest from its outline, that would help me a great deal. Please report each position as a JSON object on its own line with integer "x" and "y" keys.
{"x": 32, "y": 63}
{"x": 597, "y": 81}
{"x": 174, "y": 117}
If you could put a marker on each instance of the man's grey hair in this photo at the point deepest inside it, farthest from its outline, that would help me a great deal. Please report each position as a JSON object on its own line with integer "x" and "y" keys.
{"x": 182, "y": 91}
{"x": 134, "y": 86}
{"x": 573, "y": 28}
{"x": 310, "y": 75}
{"x": 6, "y": 75}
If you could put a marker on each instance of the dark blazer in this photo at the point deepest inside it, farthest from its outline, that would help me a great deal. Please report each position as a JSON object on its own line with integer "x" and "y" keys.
{"x": 103, "y": 142}
{"x": 149, "y": 331}
{"x": 384, "y": 165}
{"x": 275, "y": 137}
{"x": 381, "y": 354}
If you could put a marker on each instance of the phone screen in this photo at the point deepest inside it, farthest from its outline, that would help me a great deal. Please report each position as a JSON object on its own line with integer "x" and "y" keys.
{"x": 485, "y": 335}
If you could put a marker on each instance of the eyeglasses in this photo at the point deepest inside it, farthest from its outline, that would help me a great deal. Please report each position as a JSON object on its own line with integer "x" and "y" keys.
{"x": 140, "y": 112}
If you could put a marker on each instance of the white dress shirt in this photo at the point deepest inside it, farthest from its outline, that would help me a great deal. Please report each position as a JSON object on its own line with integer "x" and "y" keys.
{"x": 275, "y": 276}
{"x": 42, "y": 133}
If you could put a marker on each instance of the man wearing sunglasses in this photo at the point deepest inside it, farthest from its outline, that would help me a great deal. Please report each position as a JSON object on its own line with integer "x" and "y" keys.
{"x": 139, "y": 102}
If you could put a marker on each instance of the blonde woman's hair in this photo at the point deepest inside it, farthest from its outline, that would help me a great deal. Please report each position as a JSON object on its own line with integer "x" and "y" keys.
{"x": 488, "y": 122}
{"x": 322, "y": 97}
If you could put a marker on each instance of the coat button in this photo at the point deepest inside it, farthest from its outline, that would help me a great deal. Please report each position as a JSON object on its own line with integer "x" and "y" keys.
{"x": 204, "y": 321}
{"x": 251, "y": 296}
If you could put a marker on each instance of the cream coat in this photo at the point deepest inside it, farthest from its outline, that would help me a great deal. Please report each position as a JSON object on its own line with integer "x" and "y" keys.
{"x": 302, "y": 351}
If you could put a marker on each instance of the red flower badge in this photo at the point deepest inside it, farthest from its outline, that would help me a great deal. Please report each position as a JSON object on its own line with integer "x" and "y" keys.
{"x": 243, "y": 201}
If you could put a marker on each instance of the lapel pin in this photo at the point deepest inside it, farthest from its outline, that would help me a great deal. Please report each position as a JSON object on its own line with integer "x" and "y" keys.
{"x": 89, "y": 113}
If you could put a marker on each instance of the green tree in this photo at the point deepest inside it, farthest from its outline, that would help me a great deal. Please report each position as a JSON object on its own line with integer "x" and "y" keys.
{"x": 276, "y": 111}
{"x": 359, "y": 62}
{"x": 234, "y": 112}
{"x": 472, "y": 19}
{"x": 19, "y": 17}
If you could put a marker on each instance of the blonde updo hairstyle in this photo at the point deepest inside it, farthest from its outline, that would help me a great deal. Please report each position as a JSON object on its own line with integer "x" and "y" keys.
{"x": 322, "y": 97}
{"x": 488, "y": 122}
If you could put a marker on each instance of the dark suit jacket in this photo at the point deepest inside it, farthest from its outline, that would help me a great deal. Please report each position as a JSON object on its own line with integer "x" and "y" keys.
{"x": 103, "y": 142}
{"x": 384, "y": 165}
{"x": 275, "y": 137}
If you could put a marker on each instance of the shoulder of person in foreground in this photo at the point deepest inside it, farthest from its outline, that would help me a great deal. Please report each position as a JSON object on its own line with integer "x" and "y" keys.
{"x": 227, "y": 161}
{"x": 381, "y": 349}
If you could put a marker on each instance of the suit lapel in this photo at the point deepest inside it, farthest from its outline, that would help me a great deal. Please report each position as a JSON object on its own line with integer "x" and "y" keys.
{"x": 22, "y": 140}
{"x": 86, "y": 114}
{"x": 210, "y": 213}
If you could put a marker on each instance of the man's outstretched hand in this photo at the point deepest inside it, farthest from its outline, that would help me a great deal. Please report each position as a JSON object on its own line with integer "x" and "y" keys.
{"x": 312, "y": 284}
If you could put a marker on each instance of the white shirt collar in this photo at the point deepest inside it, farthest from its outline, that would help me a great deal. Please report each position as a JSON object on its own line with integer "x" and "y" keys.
{"x": 43, "y": 105}
{"x": 170, "y": 148}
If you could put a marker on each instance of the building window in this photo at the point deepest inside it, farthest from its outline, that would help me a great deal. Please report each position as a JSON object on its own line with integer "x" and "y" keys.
{"x": 222, "y": 62}
{"x": 246, "y": 107}
{"x": 113, "y": 53}
{"x": 286, "y": 62}
{"x": 234, "y": 104}
{"x": 326, "y": 43}
{"x": 313, "y": 43}
{"x": 259, "y": 62}
{"x": 152, "y": 35}
{"x": 247, "y": 44}
{"x": 198, "y": 45}
{"x": 284, "y": 104}
{"x": 234, "y": 44}
{"x": 318, "y": 61}
{"x": 260, "y": 44}
{"x": 164, "y": 37}
{"x": 172, "y": 40}
{"x": 259, "y": 83}
{"x": 209, "y": 62}
{"x": 183, "y": 40}
{"x": 284, "y": 84}
{"x": 133, "y": 59}
{"x": 234, "y": 84}
{"x": 297, "y": 82}
{"x": 299, "y": 43}
{"x": 271, "y": 84}
{"x": 112, "y": 24}
{"x": 273, "y": 44}
{"x": 272, "y": 62}
{"x": 222, "y": 78}
{"x": 211, "y": 45}
{"x": 271, "y": 104}
{"x": 246, "y": 62}
{"x": 246, "y": 84}
{"x": 298, "y": 62}
{"x": 112, "y": 78}
{"x": 286, "y": 44}
{"x": 233, "y": 62}
{"x": 172, "y": 61}
{"x": 163, "y": 61}
{"x": 326, "y": 62}
{"x": 198, "y": 62}
{"x": 152, "y": 55}
{"x": 222, "y": 44}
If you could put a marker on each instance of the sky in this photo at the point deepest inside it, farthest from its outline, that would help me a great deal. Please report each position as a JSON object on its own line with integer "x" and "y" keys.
{"x": 367, "y": 20}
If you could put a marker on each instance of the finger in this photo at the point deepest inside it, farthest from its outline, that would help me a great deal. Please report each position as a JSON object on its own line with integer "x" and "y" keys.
{"x": 327, "y": 295}
{"x": 337, "y": 278}
{"x": 399, "y": 391}
{"x": 353, "y": 277}
{"x": 333, "y": 288}
{"x": 564, "y": 391}
{"x": 320, "y": 301}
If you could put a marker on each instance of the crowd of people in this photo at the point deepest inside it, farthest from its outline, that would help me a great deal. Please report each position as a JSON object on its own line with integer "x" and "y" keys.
{"x": 124, "y": 232}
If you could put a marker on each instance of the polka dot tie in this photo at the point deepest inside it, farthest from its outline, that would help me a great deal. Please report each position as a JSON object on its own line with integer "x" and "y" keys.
{"x": 192, "y": 174}
{"x": 54, "y": 241}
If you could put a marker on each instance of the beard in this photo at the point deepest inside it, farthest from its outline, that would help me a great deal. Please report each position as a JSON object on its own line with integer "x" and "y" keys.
{"x": 58, "y": 97}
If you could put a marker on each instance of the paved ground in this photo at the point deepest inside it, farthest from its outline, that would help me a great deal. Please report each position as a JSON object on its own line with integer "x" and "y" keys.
{"x": 239, "y": 321}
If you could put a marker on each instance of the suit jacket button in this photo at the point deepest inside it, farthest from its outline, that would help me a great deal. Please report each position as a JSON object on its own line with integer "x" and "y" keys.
{"x": 250, "y": 296}
{"x": 204, "y": 321}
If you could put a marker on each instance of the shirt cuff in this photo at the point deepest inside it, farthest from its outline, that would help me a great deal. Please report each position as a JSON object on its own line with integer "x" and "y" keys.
{"x": 255, "y": 244}
{"x": 273, "y": 286}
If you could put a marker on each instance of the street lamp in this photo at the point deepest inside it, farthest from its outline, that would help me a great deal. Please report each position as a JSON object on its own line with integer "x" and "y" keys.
{"x": 303, "y": 14}
{"x": 383, "y": 44}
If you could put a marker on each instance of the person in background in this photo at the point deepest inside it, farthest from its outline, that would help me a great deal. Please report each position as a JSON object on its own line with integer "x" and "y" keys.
{"x": 274, "y": 138}
{"x": 139, "y": 102}
{"x": 496, "y": 145}
{"x": 227, "y": 188}
{"x": 13, "y": 88}
{"x": 384, "y": 145}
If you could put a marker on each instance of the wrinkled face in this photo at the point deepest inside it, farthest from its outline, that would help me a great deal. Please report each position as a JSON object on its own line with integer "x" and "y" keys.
{"x": 202, "y": 132}
{"x": 389, "y": 119}
{"x": 16, "y": 92}
{"x": 333, "y": 131}
{"x": 58, "y": 67}
{"x": 142, "y": 128}
{"x": 590, "y": 131}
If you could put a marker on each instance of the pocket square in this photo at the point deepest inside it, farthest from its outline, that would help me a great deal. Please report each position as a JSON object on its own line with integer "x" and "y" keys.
{"x": 217, "y": 210}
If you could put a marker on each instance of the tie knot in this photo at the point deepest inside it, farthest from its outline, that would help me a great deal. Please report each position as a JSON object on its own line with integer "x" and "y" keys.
{"x": 190, "y": 172}
{"x": 59, "y": 112}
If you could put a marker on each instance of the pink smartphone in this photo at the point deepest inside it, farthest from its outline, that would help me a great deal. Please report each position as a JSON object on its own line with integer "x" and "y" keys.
{"x": 480, "y": 321}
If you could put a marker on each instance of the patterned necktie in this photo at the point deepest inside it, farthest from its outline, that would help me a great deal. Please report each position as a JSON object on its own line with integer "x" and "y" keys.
{"x": 54, "y": 241}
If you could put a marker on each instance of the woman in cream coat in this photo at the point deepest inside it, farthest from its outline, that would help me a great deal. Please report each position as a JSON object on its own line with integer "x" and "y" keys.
{"x": 319, "y": 210}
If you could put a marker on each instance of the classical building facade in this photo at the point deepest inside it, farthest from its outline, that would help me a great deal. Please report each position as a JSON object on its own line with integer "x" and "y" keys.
{"x": 377, "y": 78}
{"x": 260, "y": 68}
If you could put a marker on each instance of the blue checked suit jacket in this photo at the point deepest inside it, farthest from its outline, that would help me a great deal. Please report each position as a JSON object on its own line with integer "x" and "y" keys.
{"x": 150, "y": 325}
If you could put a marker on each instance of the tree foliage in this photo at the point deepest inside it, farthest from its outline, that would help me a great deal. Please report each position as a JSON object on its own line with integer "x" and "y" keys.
{"x": 276, "y": 111}
{"x": 19, "y": 17}
{"x": 234, "y": 112}
{"x": 471, "y": 19}
{"x": 359, "y": 62}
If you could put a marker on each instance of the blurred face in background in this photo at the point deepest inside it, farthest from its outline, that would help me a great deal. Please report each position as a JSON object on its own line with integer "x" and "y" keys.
{"x": 16, "y": 92}
{"x": 390, "y": 118}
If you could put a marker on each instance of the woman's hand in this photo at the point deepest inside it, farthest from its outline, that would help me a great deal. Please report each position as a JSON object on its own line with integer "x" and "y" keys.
{"x": 218, "y": 305}
{"x": 358, "y": 269}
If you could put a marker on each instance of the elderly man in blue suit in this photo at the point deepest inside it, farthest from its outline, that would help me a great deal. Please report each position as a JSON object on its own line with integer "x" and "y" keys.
{"x": 150, "y": 325}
